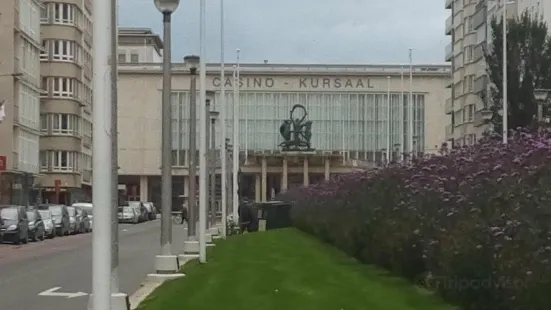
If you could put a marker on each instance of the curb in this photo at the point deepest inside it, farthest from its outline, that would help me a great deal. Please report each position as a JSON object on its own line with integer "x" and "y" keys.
{"x": 147, "y": 287}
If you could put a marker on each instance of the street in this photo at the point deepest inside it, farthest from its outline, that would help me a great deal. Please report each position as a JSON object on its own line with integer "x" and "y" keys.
{"x": 57, "y": 274}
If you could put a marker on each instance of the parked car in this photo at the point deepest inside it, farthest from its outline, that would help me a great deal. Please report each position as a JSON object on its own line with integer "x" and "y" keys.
{"x": 128, "y": 215}
{"x": 151, "y": 210}
{"x": 49, "y": 226}
{"x": 14, "y": 224}
{"x": 140, "y": 210}
{"x": 83, "y": 220}
{"x": 37, "y": 231}
{"x": 60, "y": 216}
{"x": 86, "y": 206}
{"x": 74, "y": 221}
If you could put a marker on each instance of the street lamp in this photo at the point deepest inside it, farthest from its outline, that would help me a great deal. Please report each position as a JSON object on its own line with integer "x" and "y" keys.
{"x": 213, "y": 117}
{"x": 204, "y": 208}
{"x": 166, "y": 263}
{"x": 541, "y": 96}
{"x": 192, "y": 63}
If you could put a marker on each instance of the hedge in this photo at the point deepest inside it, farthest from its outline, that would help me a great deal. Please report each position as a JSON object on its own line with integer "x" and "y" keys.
{"x": 473, "y": 225}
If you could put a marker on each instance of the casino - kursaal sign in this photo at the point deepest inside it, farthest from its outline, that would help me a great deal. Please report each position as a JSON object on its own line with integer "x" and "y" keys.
{"x": 300, "y": 82}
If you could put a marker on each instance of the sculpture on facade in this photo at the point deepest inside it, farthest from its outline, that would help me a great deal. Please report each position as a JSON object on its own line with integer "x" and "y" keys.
{"x": 296, "y": 131}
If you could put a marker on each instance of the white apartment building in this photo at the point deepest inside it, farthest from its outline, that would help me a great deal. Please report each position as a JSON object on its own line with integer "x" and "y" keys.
{"x": 470, "y": 32}
{"x": 20, "y": 91}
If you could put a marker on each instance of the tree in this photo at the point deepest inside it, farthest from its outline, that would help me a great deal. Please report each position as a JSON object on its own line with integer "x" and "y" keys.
{"x": 528, "y": 68}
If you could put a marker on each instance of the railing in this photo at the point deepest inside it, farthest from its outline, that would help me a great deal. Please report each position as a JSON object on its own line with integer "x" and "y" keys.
{"x": 295, "y": 68}
{"x": 449, "y": 25}
{"x": 449, "y": 52}
{"x": 449, "y": 106}
{"x": 449, "y": 132}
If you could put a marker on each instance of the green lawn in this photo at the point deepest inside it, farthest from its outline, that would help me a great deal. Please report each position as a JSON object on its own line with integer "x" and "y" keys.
{"x": 285, "y": 270}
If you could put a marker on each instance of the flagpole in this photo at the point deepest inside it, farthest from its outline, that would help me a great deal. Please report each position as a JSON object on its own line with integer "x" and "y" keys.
{"x": 410, "y": 103}
{"x": 203, "y": 136}
{"x": 388, "y": 111}
{"x": 402, "y": 115}
{"x": 224, "y": 117}
{"x": 235, "y": 167}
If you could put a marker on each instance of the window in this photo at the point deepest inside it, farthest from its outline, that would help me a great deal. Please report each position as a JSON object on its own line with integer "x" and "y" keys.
{"x": 45, "y": 14}
{"x": 44, "y": 52}
{"x": 64, "y": 13}
{"x": 65, "y": 124}
{"x": 43, "y": 161}
{"x": 63, "y": 87}
{"x": 29, "y": 107}
{"x": 29, "y": 18}
{"x": 134, "y": 57}
{"x": 29, "y": 59}
{"x": 63, "y": 161}
{"x": 44, "y": 87}
{"x": 44, "y": 123}
{"x": 122, "y": 58}
{"x": 64, "y": 50}
{"x": 470, "y": 112}
{"x": 28, "y": 147}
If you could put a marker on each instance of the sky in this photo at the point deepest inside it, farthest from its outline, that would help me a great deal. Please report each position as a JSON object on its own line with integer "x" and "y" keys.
{"x": 304, "y": 31}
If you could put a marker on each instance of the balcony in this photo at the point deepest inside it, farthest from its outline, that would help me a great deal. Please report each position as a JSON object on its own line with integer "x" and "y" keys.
{"x": 448, "y": 108}
{"x": 449, "y": 132}
{"x": 449, "y": 52}
{"x": 449, "y": 4}
{"x": 449, "y": 25}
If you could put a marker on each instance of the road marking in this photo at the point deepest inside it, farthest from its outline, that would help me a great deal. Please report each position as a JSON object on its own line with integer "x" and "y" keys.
{"x": 53, "y": 293}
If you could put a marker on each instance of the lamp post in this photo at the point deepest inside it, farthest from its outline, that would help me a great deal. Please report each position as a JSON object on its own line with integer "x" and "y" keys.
{"x": 166, "y": 263}
{"x": 541, "y": 96}
{"x": 192, "y": 62}
{"x": 213, "y": 117}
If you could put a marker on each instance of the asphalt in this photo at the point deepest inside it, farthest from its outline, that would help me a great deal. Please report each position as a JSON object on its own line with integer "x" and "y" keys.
{"x": 66, "y": 262}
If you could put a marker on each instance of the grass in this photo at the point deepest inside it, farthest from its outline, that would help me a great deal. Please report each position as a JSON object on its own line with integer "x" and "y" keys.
{"x": 285, "y": 269}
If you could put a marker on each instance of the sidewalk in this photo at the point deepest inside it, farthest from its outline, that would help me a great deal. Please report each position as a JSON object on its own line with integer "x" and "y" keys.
{"x": 285, "y": 269}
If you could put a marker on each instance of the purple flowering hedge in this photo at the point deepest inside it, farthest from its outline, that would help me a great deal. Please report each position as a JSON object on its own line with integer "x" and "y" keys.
{"x": 473, "y": 225}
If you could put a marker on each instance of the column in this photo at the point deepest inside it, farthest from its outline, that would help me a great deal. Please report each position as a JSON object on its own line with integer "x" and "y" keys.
{"x": 327, "y": 167}
{"x": 264, "y": 184}
{"x": 285, "y": 176}
{"x": 257, "y": 189}
{"x": 144, "y": 188}
{"x": 305, "y": 174}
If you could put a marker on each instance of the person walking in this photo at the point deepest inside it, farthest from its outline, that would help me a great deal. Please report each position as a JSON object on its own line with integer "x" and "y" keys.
{"x": 184, "y": 214}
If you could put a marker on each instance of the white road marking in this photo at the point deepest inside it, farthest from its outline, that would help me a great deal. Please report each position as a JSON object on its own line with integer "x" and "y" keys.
{"x": 52, "y": 292}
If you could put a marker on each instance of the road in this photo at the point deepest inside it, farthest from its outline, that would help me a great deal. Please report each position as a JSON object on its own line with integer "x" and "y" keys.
{"x": 66, "y": 262}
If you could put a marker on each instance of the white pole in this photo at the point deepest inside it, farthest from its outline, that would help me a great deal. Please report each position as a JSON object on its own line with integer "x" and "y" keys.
{"x": 203, "y": 137}
{"x": 410, "y": 103}
{"x": 235, "y": 166}
{"x": 224, "y": 117}
{"x": 101, "y": 175}
{"x": 388, "y": 111}
{"x": 505, "y": 105}
{"x": 402, "y": 115}
{"x": 343, "y": 137}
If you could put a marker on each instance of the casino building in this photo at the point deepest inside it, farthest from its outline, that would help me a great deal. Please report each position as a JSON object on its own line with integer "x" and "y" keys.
{"x": 348, "y": 106}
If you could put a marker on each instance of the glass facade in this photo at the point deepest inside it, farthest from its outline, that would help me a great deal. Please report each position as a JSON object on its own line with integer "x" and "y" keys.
{"x": 356, "y": 123}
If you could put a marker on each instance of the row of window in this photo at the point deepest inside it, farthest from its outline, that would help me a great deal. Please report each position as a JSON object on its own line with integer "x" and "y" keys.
{"x": 64, "y": 161}
{"x": 29, "y": 60}
{"x": 28, "y": 18}
{"x": 29, "y": 106}
{"x": 465, "y": 115}
{"x": 65, "y": 14}
{"x": 65, "y": 124}
{"x": 65, "y": 50}
{"x": 27, "y": 152}
{"x": 134, "y": 57}
{"x": 64, "y": 87}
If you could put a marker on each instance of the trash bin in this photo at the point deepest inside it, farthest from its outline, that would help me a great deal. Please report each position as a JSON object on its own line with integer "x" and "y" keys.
{"x": 274, "y": 215}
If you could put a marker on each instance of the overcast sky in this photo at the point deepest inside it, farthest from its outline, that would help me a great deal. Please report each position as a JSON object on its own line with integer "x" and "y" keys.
{"x": 305, "y": 31}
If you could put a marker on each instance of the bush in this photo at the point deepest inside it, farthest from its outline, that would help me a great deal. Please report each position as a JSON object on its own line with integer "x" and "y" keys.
{"x": 474, "y": 225}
